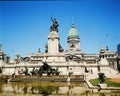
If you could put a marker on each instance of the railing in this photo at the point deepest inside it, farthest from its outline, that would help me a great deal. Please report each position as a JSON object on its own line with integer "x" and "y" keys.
{"x": 60, "y": 78}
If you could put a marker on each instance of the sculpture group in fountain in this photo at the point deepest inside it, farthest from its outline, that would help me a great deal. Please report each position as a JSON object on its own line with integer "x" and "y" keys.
{"x": 45, "y": 69}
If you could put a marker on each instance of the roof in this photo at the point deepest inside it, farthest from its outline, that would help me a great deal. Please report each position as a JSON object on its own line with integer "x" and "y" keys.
{"x": 73, "y": 33}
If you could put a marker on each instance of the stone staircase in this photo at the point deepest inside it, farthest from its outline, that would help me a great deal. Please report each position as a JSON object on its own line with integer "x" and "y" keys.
{"x": 113, "y": 73}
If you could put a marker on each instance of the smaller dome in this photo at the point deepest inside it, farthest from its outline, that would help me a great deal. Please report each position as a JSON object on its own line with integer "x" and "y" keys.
{"x": 73, "y": 33}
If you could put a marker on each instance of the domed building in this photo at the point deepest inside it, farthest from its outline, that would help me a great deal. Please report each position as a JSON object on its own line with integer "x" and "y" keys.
{"x": 72, "y": 60}
{"x": 73, "y": 57}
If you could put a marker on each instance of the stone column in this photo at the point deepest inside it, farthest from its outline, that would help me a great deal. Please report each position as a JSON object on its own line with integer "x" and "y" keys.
{"x": 53, "y": 43}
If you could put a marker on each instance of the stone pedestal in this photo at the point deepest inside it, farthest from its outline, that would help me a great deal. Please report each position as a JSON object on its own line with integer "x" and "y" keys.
{"x": 53, "y": 43}
{"x": 54, "y": 57}
{"x": 104, "y": 85}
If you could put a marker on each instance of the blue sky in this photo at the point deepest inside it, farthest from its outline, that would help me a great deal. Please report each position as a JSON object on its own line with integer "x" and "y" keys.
{"x": 24, "y": 25}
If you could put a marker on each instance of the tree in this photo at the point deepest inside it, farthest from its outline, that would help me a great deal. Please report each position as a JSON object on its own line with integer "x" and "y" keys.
{"x": 101, "y": 77}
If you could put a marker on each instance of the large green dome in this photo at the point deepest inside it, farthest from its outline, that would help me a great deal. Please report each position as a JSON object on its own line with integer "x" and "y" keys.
{"x": 73, "y": 32}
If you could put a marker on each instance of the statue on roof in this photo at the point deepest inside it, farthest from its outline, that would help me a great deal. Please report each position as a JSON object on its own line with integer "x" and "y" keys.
{"x": 55, "y": 25}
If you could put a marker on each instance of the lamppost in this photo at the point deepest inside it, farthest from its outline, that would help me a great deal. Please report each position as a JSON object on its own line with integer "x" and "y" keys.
{"x": 68, "y": 76}
{"x": 69, "y": 73}
{"x": 118, "y": 63}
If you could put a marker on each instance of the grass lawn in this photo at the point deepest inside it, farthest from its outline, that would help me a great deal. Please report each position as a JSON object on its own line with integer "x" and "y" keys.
{"x": 95, "y": 82}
